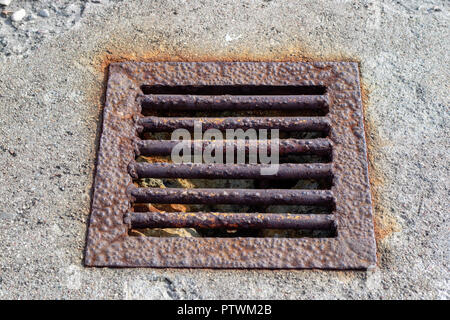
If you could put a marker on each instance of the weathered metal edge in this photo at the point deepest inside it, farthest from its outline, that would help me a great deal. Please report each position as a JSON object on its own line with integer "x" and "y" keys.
{"x": 108, "y": 243}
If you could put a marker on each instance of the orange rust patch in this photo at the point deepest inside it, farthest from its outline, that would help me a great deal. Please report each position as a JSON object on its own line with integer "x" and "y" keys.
{"x": 385, "y": 225}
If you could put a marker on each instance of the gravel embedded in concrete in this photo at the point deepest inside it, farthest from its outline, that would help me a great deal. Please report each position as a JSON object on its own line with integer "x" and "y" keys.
{"x": 5, "y": 2}
{"x": 18, "y": 15}
{"x": 44, "y": 13}
{"x": 51, "y": 79}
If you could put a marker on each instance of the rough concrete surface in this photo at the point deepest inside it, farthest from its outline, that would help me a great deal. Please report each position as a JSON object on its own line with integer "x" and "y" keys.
{"x": 52, "y": 73}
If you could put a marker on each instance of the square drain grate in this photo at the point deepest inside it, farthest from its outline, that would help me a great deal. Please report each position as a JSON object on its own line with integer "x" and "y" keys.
{"x": 318, "y": 111}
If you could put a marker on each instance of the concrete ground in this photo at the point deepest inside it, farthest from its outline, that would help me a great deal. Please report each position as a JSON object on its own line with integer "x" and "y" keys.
{"x": 52, "y": 73}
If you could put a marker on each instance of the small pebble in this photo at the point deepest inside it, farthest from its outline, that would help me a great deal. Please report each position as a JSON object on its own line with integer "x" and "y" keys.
{"x": 44, "y": 13}
{"x": 5, "y": 2}
{"x": 18, "y": 15}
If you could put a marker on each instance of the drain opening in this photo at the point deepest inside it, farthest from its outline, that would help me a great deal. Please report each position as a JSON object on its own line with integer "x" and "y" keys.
{"x": 303, "y": 141}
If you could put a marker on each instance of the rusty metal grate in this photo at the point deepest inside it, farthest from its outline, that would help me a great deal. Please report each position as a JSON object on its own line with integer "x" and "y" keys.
{"x": 328, "y": 93}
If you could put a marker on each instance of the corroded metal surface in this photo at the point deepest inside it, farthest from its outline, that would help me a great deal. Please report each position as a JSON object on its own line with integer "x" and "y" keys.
{"x": 235, "y": 103}
{"x": 257, "y": 123}
{"x": 217, "y": 220}
{"x": 228, "y": 171}
{"x": 319, "y": 146}
{"x": 232, "y": 196}
{"x": 108, "y": 242}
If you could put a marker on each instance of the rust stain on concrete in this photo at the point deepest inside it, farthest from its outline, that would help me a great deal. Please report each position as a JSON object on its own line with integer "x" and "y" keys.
{"x": 116, "y": 53}
{"x": 385, "y": 224}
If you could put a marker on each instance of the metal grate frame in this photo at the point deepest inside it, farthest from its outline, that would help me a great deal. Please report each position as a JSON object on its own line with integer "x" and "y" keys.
{"x": 108, "y": 242}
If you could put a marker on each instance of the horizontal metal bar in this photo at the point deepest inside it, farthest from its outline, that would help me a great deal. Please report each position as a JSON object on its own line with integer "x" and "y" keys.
{"x": 319, "y": 146}
{"x": 282, "y": 123}
{"x": 216, "y": 220}
{"x": 234, "y": 90}
{"x": 232, "y": 196}
{"x": 177, "y": 102}
{"x": 228, "y": 171}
